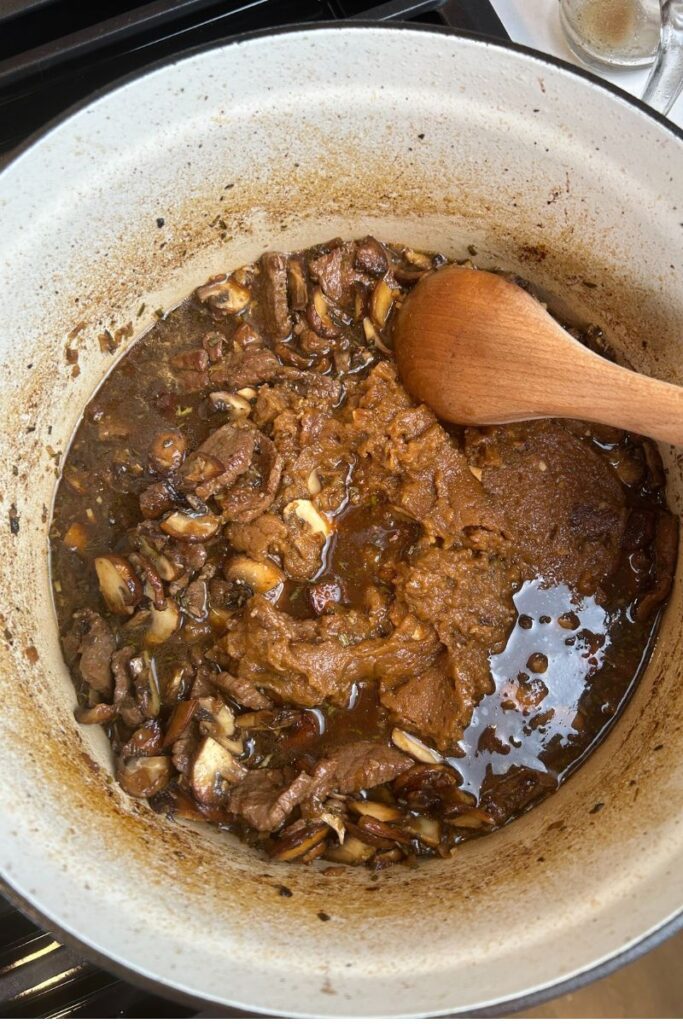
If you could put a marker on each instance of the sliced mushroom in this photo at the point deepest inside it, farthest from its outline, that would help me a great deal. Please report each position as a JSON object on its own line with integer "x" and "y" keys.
{"x": 224, "y": 295}
{"x": 183, "y": 714}
{"x": 168, "y": 570}
{"x": 76, "y": 538}
{"x": 220, "y": 619}
{"x": 212, "y": 343}
{"x": 119, "y": 584}
{"x": 308, "y": 513}
{"x": 372, "y": 335}
{"x": 381, "y": 834}
{"x": 163, "y": 623}
{"x": 418, "y": 259}
{"x": 167, "y": 451}
{"x": 386, "y": 857}
{"x": 199, "y": 469}
{"x": 351, "y": 851}
{"x": 335, "y": 821}
{"x": 476, "y": 818}
{"x": 375, "y": 810}
{"x": 315, "y": 851}
{"x": 245, "y": 336}
{"x": 427, "y": 830}
{"x": 415, "y": 747}
{"x": 213, "y": 772}
{"x": 296, "y": 843}
{"x": 183, "y": 526}
{"x": 177, "y": 687}
{"x": 381, "y": 302}
{"x": 246, "y": 274}
{"x": 227, "y": 401}
{"x": 143, "y": 670}
{"x": 298, "y": 289}
{"x": 318, "y": 315}
{"x": 145, "y": 741}
{"x": 260, "y": 576}
{"x": 291, "y": 357}
{"x": 144, "y": 776}
{"x": 96, "y": 715}
{"x": 153, "y": 588}
{"x": 217, "y": 720}
{"x": 255, "y": 720}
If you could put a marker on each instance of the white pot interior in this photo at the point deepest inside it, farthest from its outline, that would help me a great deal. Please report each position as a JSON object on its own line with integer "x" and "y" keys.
{"x": 278, "y": 142}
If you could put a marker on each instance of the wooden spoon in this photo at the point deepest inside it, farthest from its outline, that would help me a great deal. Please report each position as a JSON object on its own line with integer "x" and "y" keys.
{"x": 478, "y": 349}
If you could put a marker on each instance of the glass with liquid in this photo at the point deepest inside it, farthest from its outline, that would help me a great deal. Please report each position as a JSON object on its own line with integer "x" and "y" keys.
{"x": 616, "y": 33}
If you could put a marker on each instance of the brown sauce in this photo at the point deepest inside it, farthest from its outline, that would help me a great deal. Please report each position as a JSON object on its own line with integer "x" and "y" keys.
{"x": 394, "y": 636}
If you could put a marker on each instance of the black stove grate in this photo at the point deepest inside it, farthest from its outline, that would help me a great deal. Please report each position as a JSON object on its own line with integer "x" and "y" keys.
{"x": 54, "y": 53}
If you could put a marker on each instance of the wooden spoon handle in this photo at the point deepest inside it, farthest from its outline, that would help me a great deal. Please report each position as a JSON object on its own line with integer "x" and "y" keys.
{"x": 622, "y": 398}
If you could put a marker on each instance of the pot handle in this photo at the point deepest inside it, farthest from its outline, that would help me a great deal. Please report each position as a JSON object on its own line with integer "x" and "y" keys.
{"x": 666, "y": 78}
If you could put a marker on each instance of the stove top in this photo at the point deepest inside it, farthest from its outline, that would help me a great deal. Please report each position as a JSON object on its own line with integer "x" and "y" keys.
{"x": 54, "y": 53}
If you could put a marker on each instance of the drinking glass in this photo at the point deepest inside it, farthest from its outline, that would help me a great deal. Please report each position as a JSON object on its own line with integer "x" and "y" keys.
{"x": 630, "y": 34}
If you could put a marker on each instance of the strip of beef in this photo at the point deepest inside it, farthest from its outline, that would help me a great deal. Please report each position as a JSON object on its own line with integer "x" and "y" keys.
{"x": 156, "y": 499}
{"x": 315, "y": 384}
{"x": 520, "y": 787}
{"x": 326, "y": 269}
{"x": 239, "y": 467}
{"x": 371, "y": 257}
{"x": 195, "y": 600}
{"x": 259, "y": 538}
{"x": 254, "y": 491}
{"x": 292, "y": 541}
{"x": 417, "y": 464}
{"x": 335, "y": 272}
{"x": 466, "y": 596}
{"x": 564, "y": 532}
{"x": 233, "y": 448}
{"x": 357, "y": 766}
{"x": 265, "y": 800}
{"x": 124, "y": 700}
{"x": 431, "y": 705}
{"x": 95, "y": 644}
{"x": 291, "y": 657}
{"x": 243, "y": 691}
{"x": 246, "y": 369}
{"x": 276, "y": 307}
{"x": 663, "y": 565}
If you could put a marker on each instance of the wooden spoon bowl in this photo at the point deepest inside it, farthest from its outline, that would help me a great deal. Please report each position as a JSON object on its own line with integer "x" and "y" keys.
{"x": 479, "y": 349}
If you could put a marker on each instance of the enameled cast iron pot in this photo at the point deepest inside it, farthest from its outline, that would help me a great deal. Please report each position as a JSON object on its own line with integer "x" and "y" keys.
{"x": 277, "y": 141}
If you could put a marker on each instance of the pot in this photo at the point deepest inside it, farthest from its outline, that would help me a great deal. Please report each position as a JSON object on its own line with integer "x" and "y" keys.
{"x": 276, "y": 141}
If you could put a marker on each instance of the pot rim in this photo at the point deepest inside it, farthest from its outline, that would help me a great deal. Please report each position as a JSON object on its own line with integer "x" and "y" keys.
{"x": 352, "y": 23}
{"x": 515, "y": 1005}
{"x": 497, "y": 1009}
